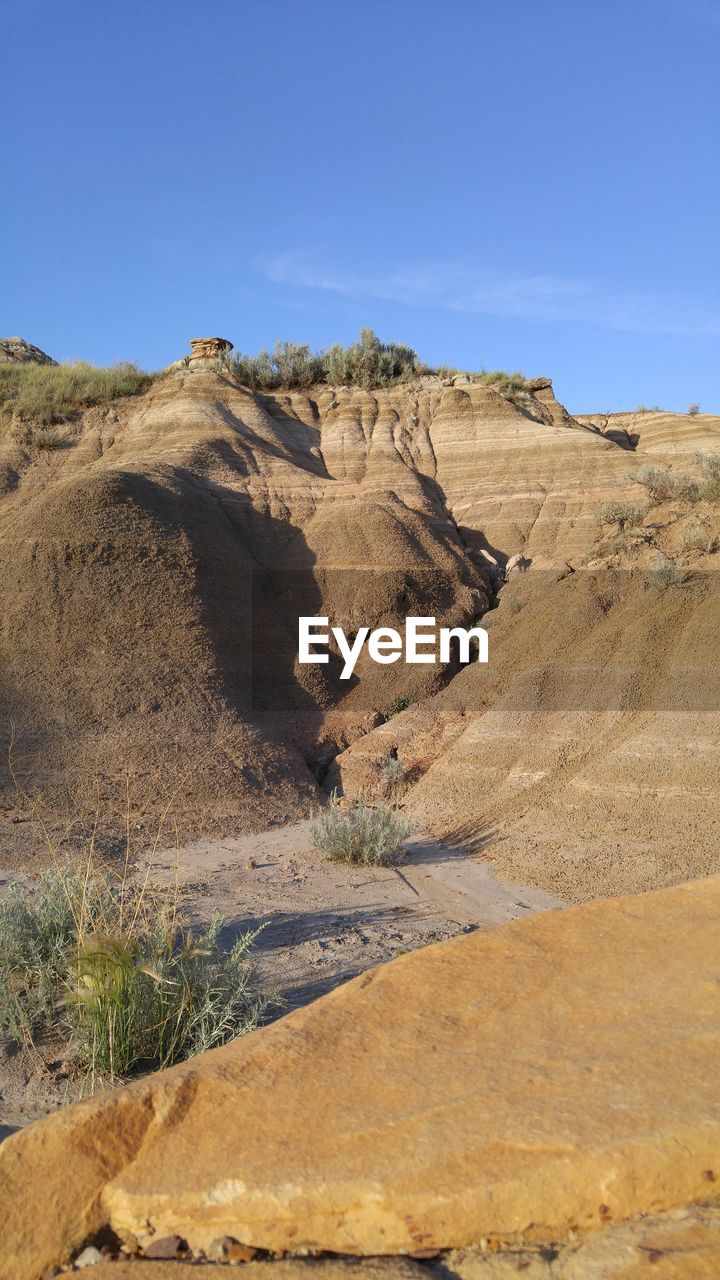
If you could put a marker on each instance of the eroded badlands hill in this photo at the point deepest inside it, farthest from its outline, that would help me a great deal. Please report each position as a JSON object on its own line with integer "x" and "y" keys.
{"x": 154, "y": 564}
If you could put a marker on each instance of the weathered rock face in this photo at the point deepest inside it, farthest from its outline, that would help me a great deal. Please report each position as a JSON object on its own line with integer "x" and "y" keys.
{"x": 668, "y": 437}
{"x": 209, "y": 348}
{"x": 150, "y": 571}
{"x": 205, "y": 354}
{"x": 18, "y": 351}
{"x": 552, "y": 1076}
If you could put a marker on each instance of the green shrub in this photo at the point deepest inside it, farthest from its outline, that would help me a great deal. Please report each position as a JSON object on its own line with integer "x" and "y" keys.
{"x": 118, "y": 975}
{"x": 289, "y": 365}
{"x": 46, "y": 393}
{"x": 370, "y": 363}
{"x": 360, "y": 832}
{"x": 366, "y": 363}
{"x": 399, "y": 704}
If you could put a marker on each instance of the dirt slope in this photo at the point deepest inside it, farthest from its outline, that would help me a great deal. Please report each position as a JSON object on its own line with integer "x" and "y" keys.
{"x": 153, "y": 566}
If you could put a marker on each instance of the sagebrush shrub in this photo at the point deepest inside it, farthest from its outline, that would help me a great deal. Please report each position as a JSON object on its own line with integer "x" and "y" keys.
{"x": 697, "y": 538}
{"x": 663, "y": 484}
{"x": 360, "y": 832}
{"x": 366, "y": 363}
{"x": 668, "y": 572}
{"x": 624, "y": 513}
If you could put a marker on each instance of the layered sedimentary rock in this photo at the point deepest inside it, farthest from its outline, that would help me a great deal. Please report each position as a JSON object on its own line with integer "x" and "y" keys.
{"x": 18, "y": 351}
{"x": 153, "y": 570}
{"x": 522, "y": 1086}
{"x": 669, "y": 437}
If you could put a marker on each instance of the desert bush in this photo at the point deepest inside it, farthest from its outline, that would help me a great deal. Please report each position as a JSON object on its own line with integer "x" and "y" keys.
{"x": 398, "y": 705}
{"x": 668, "y": 572}
{"x": 662, "y": 484}
{"x": 694, "y": 408}
{"x": 709, "y": 468}
{"x": 47, "y": 393}
{"x": 365, "y": 363}
{"x": 697, "y": 538}
{"x": 289, "y": 365}
{"x": 370, "y": 363}
{"x": 392, "y": 779}
{"x": 117, "y": 974}
{"x": 359, "y": 832}
{"x": 624, "y": 513}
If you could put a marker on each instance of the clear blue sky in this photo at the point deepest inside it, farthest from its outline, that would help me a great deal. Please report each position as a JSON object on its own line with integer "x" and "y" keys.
{"x": 519, "y": 184}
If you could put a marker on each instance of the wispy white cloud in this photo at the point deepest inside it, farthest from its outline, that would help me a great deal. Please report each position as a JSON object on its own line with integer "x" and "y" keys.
{"x": 468, "y": 287}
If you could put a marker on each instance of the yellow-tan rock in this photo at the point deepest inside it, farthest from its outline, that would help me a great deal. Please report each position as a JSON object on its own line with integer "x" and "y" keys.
{"x": 556, "y": 1075}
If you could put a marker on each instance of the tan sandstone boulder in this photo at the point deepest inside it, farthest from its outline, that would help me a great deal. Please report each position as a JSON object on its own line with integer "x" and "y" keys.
{"x": 555, "y": 1075}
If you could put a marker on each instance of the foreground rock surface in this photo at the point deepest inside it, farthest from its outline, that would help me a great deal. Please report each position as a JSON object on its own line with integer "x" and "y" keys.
{"x": 554, "y": 1075}
{"x": 681, "y": 1245}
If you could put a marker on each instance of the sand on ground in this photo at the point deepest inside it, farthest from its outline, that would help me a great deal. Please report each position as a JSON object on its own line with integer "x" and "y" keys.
{"x": 322, "y": 923}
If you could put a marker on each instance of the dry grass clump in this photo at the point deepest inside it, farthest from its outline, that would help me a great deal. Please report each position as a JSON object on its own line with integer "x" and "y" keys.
{"x": 508, "y": 384}
{"x": 115, "y": 972}
{"x": 47, "y": 393}
{"x": 37, "y": 437}
{"x": 360, "y": 833}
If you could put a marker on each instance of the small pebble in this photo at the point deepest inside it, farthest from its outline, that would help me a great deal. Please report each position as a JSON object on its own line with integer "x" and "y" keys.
{"x": 166, "y": 1247}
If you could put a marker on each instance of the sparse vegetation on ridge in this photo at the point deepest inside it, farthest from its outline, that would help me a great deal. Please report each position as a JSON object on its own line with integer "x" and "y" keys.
{"x": 367, "y": 363}
{"x": 50, "y": 393}
{"x": 360, "y": 833}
